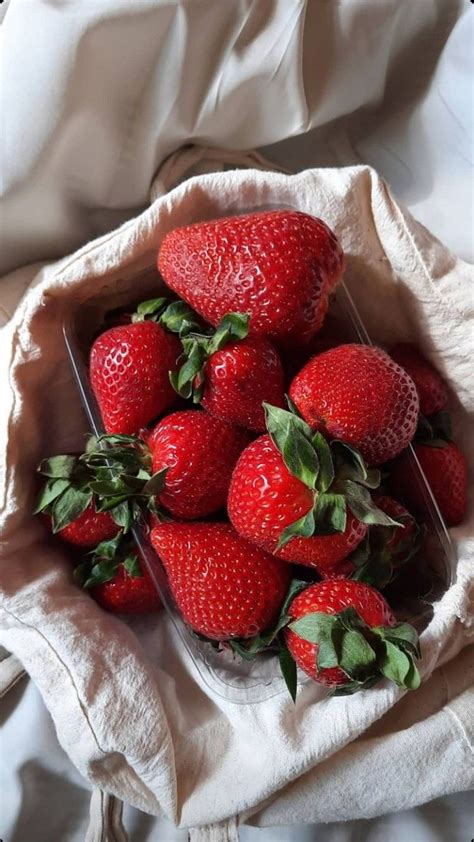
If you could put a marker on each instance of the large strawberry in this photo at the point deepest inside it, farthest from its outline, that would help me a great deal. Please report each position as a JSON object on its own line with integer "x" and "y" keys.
{"x": 445, "y": 468}
{"x": 69, "y": 504}
{"x": 357, "y": 393}
{"x": 295, "y": 495}
{"x": 431, "y": 388}
{"x": 344, "y": 635}
{"x": 227, "y": 371}
{"x": 223, "y": 586}
{"x": 277, "y": 266}
{"x": 116, "y": 579}
{"x": 128, "y": 368}
{"x": 199, "y": 452}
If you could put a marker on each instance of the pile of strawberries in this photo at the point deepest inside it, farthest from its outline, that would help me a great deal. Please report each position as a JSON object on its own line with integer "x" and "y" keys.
{"x": 266, "y": 492}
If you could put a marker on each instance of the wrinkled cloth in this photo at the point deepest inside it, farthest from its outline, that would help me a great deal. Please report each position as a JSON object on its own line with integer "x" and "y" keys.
{"x": 88, "y": 118}
{"x": 128, "y": 703}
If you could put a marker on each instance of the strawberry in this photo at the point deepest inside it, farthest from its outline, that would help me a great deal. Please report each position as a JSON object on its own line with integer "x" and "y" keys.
{"x": 128, "y": 370}
{"x": 239, "y": 378}
{"x": 431, "y": 388}
{"x": 89, "y": 528}
{"x": 360, "y": 395}
{"x": 277, "y": 266}
{"x": 127, "y": 594}
{"x": 116, "y": 580}
{"x": 265, "y": 499}
{"x": 344, "y": 636}
{"x": 199, "y": 453}
{"x": 69, "y": 505}
{"x": 225, "y": 370}
{"x": 445, "y": 469}
{"x": 223, "y": 586}
{"x": 294, "y": 495}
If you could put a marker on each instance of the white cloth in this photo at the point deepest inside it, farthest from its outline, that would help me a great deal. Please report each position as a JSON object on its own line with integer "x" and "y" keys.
{"x": 95, "y": 94}
{"x": 182, "y": 742}
{"x": 44, "y": 799}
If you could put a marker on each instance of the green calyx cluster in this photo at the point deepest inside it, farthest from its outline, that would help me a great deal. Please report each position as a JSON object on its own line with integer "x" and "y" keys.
{"x": 375, "y": 563}
{"x": 333, "y": 471}
{"x": 434, "y": 431}
{"x": 114, "y": 473}
{"x": 198, "y": 342}
{"x": 103, "y": 562}
{"x": 364, "y": 654}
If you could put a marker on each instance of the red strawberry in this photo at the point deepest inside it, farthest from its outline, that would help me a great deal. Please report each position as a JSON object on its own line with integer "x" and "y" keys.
{"x": 117, "y": 581}
{"x": 343, "y": 634}
{"x": 360, "y": 395}
{"x": 129, "y": 367}
{"x": 431, "y": 388}
{"x": 68, "y": 504}
{"x": 278, "y": 266}
{"x": 227, "y": 371}
{"x": 89, "y": 528}
{"x": 200, "y": 453}
{"x": 445, "y": 468}
{"x": 239, "y": 378}
{"x": 265, "y": 498}
{"x": 224, "y": 587}
{"x": 126, "y": 594}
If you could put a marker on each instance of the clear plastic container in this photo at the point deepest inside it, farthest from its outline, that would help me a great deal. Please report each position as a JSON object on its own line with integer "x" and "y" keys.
{"x": 224, "y": 673}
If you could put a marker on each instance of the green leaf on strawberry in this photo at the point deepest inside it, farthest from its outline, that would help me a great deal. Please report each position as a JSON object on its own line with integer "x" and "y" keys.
{"x": 52, "y": 489}
{"x": 103, "y": 562}
{"x": 59, "y": 467}
{"x": 330, "y": 514}
{"x": 302, "y": 528}
{"x": 151, "y": 307}
{"x": 68, "y": 506}
{"x": 361, "y": 504}
{"x": 335, "y": 472}
{"x": 288, "y": 670}
{"x": 132, "y": 566}
{"x": 114, "y": 474}
{"x": 326, "y": 466}
{"x": 199, "y": 346}
{"x": 363, "y": 653}
{"x": 232, "y": 328}
{"x": 350, "y": 465}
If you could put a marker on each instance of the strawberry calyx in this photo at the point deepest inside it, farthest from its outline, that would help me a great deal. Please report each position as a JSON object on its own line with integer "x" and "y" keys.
{"x": 199, "y": 341}
{"x": 175, "y": 316}
{"x": 435, "y": 430}
{"x": 189, "y": 380}
{"x": 66, "y": 493}
{"x": 102, "y": 563}
{"x": 334, "y": 472}
{"x": 375, "y": 560}
{"x": 114, "y": 473}
{"x": 365, "y": 654}
{"x": 122, "y": 478}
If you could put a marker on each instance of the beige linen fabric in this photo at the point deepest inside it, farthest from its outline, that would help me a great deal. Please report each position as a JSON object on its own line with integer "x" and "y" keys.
{"x": 129, "y": 706}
